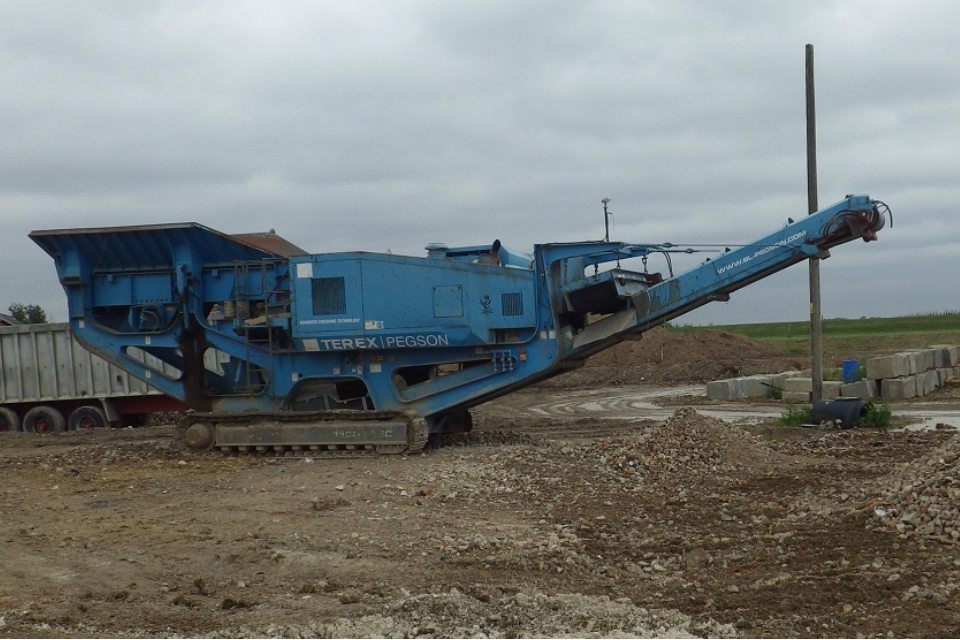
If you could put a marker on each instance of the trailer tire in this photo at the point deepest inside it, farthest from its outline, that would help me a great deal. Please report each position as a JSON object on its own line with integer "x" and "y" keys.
{"x": 86, "y": 418}
{"x": 9, "y": 420}
{"x": 44, "y": 419}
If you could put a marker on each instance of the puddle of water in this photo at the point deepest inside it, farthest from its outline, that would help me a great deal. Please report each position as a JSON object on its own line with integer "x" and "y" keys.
{"x": 928, "y": 420}
{"x": 930, "y": 424}
{"x": 592, "y": 406}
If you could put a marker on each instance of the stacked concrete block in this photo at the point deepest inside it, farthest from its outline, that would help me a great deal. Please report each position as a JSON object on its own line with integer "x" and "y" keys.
{"x": 778, "y": 379}
{"x": 797, "y": 396}
{"x": 731, "y": 389}
{"x": 928, "y": 382}
{"x": 798, "y": 385}
{"x": 907, "y": 374}
{"x": 831, "y": 389}
{"x": 913, "y": 373}
{"x": 954, "y": 354}
{"x": 899, "y": 388}
{"x": 941, "y": 357}
{"x": 864, "y": 389}
{"x": 723, "y": 390}
{"x": 920, "y": 360}
{"x": 949, "y": 355}
{"x": 884, "y": 367}
{"x": 757, "y": 386}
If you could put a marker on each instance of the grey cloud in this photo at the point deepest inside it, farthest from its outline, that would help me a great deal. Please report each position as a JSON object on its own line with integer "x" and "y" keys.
{"x": 389, "y": 125}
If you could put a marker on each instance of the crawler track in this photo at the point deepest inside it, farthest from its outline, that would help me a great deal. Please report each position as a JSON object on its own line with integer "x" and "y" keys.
{"x": 306, "y": 433}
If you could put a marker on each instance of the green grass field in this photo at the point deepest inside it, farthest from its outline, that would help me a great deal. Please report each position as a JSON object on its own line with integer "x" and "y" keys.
{"x": 846, "y": 338}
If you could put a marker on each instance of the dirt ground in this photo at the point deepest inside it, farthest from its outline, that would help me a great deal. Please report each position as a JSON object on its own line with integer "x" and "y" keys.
{"x": 594, "y": 508}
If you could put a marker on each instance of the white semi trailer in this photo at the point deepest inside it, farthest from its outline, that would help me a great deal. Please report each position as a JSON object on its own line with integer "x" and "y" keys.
{"x": 49, "y": 383}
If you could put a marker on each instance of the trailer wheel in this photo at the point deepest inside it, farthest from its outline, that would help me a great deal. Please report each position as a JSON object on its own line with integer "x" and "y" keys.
{"x": 44, "y": 419}
{"x": 86, "y": 418}
{"x": 9, "y": 420}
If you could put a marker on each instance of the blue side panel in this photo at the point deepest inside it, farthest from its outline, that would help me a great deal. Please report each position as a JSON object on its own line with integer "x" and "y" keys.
{"x": 329, "y": 296}
{"x": 123, "y": 289}
{"x": 377, "y": 301}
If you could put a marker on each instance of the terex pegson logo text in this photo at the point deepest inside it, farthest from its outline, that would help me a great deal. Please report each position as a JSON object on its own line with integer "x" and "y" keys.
{"x": 384, "y": 342}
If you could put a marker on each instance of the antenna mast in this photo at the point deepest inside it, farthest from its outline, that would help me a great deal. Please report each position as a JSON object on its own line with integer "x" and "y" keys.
{"x": 606, "y": 219}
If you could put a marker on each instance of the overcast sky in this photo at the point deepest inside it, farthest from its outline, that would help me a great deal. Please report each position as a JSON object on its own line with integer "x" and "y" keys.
{"x": 387, "y": 125}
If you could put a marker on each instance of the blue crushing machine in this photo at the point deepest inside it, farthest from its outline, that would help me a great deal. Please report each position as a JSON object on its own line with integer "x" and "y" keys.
{"x": 281, "y": 351}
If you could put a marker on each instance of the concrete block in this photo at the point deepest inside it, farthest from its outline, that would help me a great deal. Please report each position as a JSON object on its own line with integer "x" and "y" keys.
{"x": 798, "y": 385}
{"x": 802, "y": 397}
{"x": 951, "y": 354}
{"x": 736, "y": 388}
{"x": 831, "y": 389}
{"x": 864, "y": 389}
{"x": 756, "y": 386}
{"x": 913, "y": 365}
{"x": 929, "y": 381}
{"x": 920, "y": 359}
{"x": 722, "y": 390}
{"x": 941, "y": 357}
{"x": 945, "y": 373}
{"x": 894, "y": 366}
{"x": 899, "y": 388}
{"x": 779, "y": 379}
{"x": 920, "y": 383}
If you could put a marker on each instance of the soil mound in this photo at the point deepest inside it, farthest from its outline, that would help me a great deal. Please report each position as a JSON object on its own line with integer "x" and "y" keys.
{"x": 688, "y": 446}
{"x": 672, "y": 356}
{"x": 662, "y": 347}
{"x": 923, "y": 498}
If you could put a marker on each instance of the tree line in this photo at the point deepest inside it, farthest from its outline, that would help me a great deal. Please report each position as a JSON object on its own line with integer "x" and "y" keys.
{"x": 28, "y": 313}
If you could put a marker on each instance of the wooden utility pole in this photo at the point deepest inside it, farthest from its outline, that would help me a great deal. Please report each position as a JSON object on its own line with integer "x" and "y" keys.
{"x": 816, "y": 319}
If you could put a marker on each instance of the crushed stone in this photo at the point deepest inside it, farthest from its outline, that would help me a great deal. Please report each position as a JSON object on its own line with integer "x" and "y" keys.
{"x": 923, "y": 498}
{"x": 690, "y": 445}
{"x": 526, "y": 614}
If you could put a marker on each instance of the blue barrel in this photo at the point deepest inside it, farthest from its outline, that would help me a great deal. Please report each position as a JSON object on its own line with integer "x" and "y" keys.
{"x": 850, "y": 370}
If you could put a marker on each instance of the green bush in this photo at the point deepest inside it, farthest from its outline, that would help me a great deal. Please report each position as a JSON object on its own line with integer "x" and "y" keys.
{"x": 876, "y": 416}
{"x": 795, "y": 416}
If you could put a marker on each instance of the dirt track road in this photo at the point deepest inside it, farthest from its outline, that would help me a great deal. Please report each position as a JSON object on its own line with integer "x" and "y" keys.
{"x": 541, "y": 522}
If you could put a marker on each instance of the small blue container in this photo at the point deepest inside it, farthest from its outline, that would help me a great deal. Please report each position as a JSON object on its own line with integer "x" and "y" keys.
{"x": 850, "y": 370}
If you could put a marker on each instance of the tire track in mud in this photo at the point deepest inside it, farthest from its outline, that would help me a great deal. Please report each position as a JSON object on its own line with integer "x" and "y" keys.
{"x": 585, "y": 414}
{"x": 607, "y": 411}
{"x": 606, "y": 402}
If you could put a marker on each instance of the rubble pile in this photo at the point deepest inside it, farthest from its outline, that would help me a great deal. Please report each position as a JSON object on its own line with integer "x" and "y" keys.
{"x": 525, "y": 614}
{"x": 923, "y": 498}
{"x": 690, "y": 446}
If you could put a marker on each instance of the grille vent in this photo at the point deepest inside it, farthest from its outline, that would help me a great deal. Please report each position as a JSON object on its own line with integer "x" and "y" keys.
{"x": 329, "y": 297}
{"x": 512, "y": 304}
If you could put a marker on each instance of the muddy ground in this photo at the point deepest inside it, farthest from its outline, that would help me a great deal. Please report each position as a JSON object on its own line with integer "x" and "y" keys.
{"x": 595, "y": 510}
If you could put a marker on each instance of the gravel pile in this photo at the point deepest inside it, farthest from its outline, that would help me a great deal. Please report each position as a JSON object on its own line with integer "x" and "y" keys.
{"x": 923, "y": 498}
{"x": 527, "y": 614}
{"x": 690, "y": 446}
